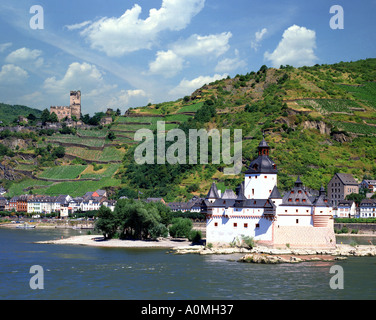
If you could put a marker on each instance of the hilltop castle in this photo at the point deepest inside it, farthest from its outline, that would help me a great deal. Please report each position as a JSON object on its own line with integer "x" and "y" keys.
{"x": 296, "y": 220}
{"x": 74, "y": 108}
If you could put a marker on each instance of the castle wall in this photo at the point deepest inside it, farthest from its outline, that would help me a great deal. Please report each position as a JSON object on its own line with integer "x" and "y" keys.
{"x": 304, "y": 236}
{"x": 221, "y": 229}
{"x": 61, "y": 112}
{"x": 259, "y": 186}
{"x": 75, "y": 103}
{"x": 74, "y": 109}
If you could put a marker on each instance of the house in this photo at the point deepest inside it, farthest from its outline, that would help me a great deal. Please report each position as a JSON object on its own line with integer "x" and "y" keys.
{"x": 346, "y": 209}
{"x": 106, "y": 120}
{"x": 21, "y": 203}
{"x": 2, "y": 191}
{"x": 341, "y": 185}
{"x": 259, "y": 211}
{"x": 60, "y": 205}
{"x": 110, "y": 204}
{"x": 370, "y": 185}
{"x": 367, "y": 208}
{"x": 3, "y": 203}
{"x": 90, "y": 204}
{"x": 13, "y": 203}
{"x": 193, "y": 205}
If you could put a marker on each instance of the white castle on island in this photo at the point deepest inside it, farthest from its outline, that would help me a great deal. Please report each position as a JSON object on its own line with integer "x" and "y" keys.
{"x": 257, "y": 210}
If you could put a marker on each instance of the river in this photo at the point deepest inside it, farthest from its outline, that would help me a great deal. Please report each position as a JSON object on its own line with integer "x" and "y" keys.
{"x": 80, "y": 272}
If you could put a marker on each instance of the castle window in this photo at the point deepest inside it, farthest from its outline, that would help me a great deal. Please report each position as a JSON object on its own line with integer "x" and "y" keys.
{"x": 286, "y": 211}
{"x": 290, "y": 200}
{"x": 300, "y": 191}
{"x": 297, "y": 210}
{"x": 296, "y": 200}
{"x": 245, "y": 225}
{"x": 257, "y": 225}
{"x": 265, "y": 177}
{"x": 235, "y": 225}
{"x": 215, "y": 224}
{"x": 297, "y": 221}
{"x": 304, "y": 200}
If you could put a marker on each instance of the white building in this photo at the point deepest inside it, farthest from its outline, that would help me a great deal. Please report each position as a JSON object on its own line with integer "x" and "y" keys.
{"x": 259, "y": 211}
{"x": 370, "y": 185}
{"x": 346, "y": 209}
{"x": 367, "y": 208}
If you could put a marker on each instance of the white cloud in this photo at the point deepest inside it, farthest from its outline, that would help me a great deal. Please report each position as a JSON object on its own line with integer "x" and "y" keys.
{"x": 296, "y": 48}
{"x": 25, "y": 57}
{"x": 125, "y": 98}
{"x": 228, "y": 64}
{"x": 5, "y": 46}
{"x": 76, "y": 77}
{"x": 186, "y": 87}
{"x": 167, "y": 63}
{"x": 12, "y": 75}
{"x": 259, "y": 35}
{"x": 196, "y": 45}
{"x": 128, "y": 33}
{"x": 78, "y": 25}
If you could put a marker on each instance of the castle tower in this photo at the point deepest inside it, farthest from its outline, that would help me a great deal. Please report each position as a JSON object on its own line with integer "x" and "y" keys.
{"x": 261, "y": 176}
{"x": 75, "y": 103}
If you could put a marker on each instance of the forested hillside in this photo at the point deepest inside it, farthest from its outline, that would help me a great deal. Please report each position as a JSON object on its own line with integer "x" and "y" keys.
{"x": 317, "y": 120}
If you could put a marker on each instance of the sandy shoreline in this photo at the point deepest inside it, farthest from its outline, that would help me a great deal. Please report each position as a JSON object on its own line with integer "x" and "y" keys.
{"x": 98, "y": 241}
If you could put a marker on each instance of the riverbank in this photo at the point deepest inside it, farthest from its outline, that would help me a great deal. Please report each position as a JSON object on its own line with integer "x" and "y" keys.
{"x": 257, "y": 254}
{"x": 99, "y": 241}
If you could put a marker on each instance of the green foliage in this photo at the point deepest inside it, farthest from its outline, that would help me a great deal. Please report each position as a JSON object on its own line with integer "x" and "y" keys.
{"x": 8, "y": 112}
{"x": 133, "y": 219}
{"x": 195, "y": 236}
{"x": 107, "y": 222}
{"x": 180, "y": 228}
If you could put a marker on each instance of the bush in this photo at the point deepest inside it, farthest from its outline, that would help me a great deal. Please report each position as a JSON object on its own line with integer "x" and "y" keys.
{"x": 180, "y": 228}
{"x": 248, "y": 241}
{"x": 195, "y": 236}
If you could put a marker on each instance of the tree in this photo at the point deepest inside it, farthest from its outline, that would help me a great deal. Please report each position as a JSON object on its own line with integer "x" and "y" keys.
{"x": 181, "y": 227}
{"x": 45, "y": 116}
{"x": 357, "y": 197}
{"x": 53, "y": 117}
{"x": 59, "y": 152}
{"x": 137, "y": 219}
{"x": 106, "y": 223}
{"x": 111, "y": 136}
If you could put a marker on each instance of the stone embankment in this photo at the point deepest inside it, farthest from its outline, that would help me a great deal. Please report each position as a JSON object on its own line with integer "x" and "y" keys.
{"x": 274, "y": 256}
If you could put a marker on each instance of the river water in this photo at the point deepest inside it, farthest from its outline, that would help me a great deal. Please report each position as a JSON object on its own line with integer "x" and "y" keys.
{"x": 80, "y": 272}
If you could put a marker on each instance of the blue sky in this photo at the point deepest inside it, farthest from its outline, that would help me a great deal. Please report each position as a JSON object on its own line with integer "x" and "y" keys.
{"x": 127, "y": 53}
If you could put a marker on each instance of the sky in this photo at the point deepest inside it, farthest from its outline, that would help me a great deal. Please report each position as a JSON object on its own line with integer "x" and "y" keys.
{"x": 128, "y": 53}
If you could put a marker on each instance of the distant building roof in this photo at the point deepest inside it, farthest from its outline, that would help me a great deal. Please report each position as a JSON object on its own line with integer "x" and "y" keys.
{"x": 213, "y": 192}
{"x": 297, "y": 196}
{"x": 347, "y": 178}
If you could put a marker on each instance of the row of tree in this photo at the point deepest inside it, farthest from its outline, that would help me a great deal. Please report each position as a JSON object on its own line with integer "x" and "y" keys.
{"x": 134, "y": 219}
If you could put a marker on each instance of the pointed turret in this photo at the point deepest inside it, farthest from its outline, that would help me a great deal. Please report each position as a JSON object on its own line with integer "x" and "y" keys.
{"x": 213, "y": 193}
{"x": 275, "y": 194}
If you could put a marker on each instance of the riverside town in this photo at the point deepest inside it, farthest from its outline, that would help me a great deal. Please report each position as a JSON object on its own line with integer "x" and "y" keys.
{"x": 175, "y": 151}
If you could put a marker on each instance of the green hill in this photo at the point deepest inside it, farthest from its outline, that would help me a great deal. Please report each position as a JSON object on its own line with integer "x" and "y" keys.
{"x": 318, "y": 120}
{"x": 9, "y": 112}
